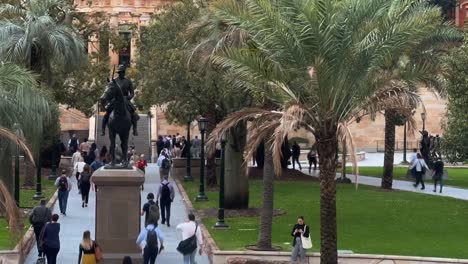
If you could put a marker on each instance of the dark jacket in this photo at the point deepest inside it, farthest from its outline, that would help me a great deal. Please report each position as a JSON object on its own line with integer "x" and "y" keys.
{"x": 297, "y": 226}
{"x": 296, "y": 150}
{"x": 50, "y": 237}
{"x": 40, "y": 215}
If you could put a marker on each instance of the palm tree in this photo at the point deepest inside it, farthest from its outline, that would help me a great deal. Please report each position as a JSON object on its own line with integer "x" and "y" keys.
{"x": 421, "y": 66}
{"x": 22, "y": 105}
{"x": 325, "y": 57}
{"x": 38, "y": 37}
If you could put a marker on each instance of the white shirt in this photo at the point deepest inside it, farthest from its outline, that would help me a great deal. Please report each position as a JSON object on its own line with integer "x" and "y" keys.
{"x": 419, "y": 164}
{"x": 75, "y": 158}
{"x": 414, "y": 156}
{"x": 79, "y": 166}
{"x": 188, "y": 229}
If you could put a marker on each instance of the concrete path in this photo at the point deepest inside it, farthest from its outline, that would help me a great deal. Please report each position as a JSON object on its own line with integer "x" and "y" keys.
{"x": 79, "y": 219}
{"x": 448, "y": 191}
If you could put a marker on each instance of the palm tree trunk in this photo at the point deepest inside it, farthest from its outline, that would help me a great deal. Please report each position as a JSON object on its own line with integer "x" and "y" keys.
{"x": 237, "y": 184}
{"x": 343, "y": 159}
{"x": 266, "y": 218}
{"x": 211, "y": 179}
{"x": 327, "y": 145}
{"x": 387, "y": 179}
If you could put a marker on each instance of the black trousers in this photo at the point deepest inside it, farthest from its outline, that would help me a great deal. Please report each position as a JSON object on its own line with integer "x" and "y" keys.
{"x": 149, "y": 256}
{"x": 312, "y": 161}
{"x": 85, "y": 187}
{"x": 419, "y": 179}
{"x": 51, "y": 254}
{"x": 165, "y": 211}
{"x": 294, "y": 160}
{"x": 37, "y": 232}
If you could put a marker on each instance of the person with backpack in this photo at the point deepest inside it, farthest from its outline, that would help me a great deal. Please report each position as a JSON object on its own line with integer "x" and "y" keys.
{"x": 191, "y": 237}
{"x": 165, "y": 197}
{"x": 164, "y": 164}
{"x": 85, "y": 185}
{"x": 39, "y": 216}
{"x": 64, "y": 186}
{"x": 73, "y": 144}
{"x": 419, "y": 168}
{"x": 149, "y": 237}
{"x": 150, "y": 210}
{"x": 78, "y": 169}
{"x": 50, "y": 239}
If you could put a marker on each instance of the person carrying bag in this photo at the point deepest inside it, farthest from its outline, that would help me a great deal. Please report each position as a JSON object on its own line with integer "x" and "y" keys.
{"x": 191, "y": 237}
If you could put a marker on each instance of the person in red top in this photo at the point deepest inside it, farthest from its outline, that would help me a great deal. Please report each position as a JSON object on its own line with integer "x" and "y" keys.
{"x": 141, "y": 164}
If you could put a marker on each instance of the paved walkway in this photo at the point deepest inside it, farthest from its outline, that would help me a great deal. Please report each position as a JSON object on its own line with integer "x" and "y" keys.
{"x": 79, "y": 219}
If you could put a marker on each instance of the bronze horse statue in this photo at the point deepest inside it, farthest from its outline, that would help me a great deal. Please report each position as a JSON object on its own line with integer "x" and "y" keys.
{"x": 120, "y": 122}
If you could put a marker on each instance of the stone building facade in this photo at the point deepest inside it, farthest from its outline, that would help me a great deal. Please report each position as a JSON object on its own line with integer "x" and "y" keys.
{"x": 368, "y": 135}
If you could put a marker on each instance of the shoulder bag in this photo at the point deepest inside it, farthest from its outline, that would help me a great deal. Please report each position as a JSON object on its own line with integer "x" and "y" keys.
{"x": 97, "y": 252}
{"x": 188, "y": 245}
{"x": 306, "y": 241}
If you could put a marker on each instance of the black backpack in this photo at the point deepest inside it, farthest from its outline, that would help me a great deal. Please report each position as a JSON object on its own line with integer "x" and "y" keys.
{"x": 165, "y": 192}
{"x": 152, "y": 240}
{"x": 166, "y": 164}
{"x": 153, "y": 213}
{"x": 63, "y": 184}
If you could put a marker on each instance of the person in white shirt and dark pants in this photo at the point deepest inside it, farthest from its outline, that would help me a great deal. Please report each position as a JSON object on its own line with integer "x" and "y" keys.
{"x": 188, "y": 230}
{"x": 419, "y": 168}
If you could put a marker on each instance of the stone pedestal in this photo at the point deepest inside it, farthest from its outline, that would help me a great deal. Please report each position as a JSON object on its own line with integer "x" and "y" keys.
{"x": 118, "y": 213}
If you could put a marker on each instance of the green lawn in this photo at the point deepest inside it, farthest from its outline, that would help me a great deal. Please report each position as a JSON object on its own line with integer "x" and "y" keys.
{"x": 369, "y": 220}
{"x": 457, "y": 177}
{"x": 48, "y": 190}
{"x": 7, "y": 241}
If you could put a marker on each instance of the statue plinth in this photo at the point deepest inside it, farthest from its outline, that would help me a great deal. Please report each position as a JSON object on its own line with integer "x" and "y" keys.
{"x": 118, "y": 213}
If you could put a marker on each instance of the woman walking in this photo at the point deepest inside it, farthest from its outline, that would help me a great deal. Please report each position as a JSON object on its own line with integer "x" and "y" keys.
{"x": 50, "y": 240}
{"x": 104, "y": 155}
{"x": 419, "y": 168}
{"x": 87, "y": 254}
{"x": 438, "y": 173}
{"x": 85, "y": 185}
{"x": 300, "y": 229}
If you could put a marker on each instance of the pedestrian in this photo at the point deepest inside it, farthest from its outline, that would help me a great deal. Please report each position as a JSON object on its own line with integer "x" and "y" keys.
{"x": 127, "y": 260}
{"x": 76, "y": 157}
{"x": 150, "y": 210}
{"x": 85, "y": 147}
{"x": 190, "y": 229}
{"x": 299, "y": 229}
{"x": 64, "y": 186}
{"x": 103, "y": 155}
{"x": 312, "y": 158}
{"x": 159, "y": 144}
{"x": 39, "y": 216}
{"x": 149, "y": 237}
{"x": 50, "y": 239}
{"x": 296, "y": 152}
{"x": 73, "y": 144}
{"x": 196, "y": 145}
{"x": 85, "y": 185}
{"x": 164, "y": 164}
{"x": 87, "y": 249}
{"x": 133, "y": 158}
{"x": 165, "y": 197}
{"x": 141, "y": 164}
{"x": 419, "y": 168}
{"x": 91, "y": 156}
{"x": 78, "y": 169}
{"x": 438, "y": 173}
{"x": 413, "y": 156}
{"x": 96, "y": 164}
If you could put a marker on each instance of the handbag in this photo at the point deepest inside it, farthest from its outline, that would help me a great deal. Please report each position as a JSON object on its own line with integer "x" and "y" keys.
{"x": 306, "y": 241}
{"x": 97, "y": 252}
{"x": 188, "y": 245}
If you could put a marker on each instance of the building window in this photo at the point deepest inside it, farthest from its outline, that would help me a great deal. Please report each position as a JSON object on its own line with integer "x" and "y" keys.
{"x": 124, "y": 53}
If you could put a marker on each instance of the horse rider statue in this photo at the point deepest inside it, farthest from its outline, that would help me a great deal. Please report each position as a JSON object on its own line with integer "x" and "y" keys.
{"x": 126, "y": 86}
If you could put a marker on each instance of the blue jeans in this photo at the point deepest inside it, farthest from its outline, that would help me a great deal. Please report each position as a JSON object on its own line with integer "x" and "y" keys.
{"x": 190, "y": 258}
{"x": 63, "y": 198}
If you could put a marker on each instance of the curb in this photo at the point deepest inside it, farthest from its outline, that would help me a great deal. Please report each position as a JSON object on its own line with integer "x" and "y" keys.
{"x": 210, "y": 245}
{"x": 28, "y": 240}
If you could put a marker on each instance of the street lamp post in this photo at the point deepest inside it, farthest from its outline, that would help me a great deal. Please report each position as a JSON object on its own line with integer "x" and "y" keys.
{"x": 220, "y": 224}
{"x": 188, "y": 177}
{"x": 17, "y": 178}
{"x": 202, "y": 124}
{"x": 404, "y": 143}
{"x": 423, "y": 117}
{"x": 38, "y": 194}
{"x": 53, "y": 174}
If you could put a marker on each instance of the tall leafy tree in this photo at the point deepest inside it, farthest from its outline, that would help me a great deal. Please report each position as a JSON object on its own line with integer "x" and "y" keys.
{"x": 324, "y": 59}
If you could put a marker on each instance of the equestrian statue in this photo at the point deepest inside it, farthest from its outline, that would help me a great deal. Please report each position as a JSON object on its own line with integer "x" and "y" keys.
{"x": 120, "y": 114}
